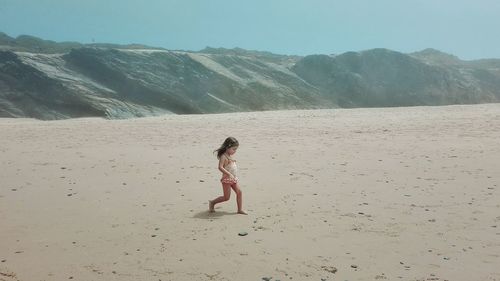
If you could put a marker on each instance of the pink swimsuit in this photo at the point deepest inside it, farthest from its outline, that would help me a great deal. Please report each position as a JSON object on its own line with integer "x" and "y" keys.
{"x": 231, "y": 168}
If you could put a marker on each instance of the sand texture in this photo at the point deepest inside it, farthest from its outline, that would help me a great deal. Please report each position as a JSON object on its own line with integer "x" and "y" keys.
{"x": 342, "y": 194}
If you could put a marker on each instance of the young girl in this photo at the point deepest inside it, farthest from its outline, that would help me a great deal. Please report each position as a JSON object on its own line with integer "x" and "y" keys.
{"x": 227, "y": 165}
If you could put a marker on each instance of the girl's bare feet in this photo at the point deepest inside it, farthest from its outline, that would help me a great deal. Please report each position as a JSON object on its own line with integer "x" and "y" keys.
{"x": 211, "y": 206}
{"x": 242, "y": 212}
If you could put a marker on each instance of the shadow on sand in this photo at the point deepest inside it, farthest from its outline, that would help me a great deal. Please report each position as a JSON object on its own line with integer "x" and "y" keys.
{"x": 213, "y": 215}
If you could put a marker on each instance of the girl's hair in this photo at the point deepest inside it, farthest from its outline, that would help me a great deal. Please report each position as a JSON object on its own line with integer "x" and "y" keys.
{"x": 229, "y": 142}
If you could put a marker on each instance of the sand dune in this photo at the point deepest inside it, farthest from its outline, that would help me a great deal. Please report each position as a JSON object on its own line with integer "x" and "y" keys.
{"x": 344, "y": 194}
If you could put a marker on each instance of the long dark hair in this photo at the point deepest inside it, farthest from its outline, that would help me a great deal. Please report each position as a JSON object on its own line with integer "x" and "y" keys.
{"x": 229, "y": 142}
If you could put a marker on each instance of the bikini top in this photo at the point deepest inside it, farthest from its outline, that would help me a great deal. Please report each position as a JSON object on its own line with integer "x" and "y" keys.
{"x": 231, "y": 166}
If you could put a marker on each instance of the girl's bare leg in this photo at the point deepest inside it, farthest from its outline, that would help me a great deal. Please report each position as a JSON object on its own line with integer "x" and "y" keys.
{"x": 227, "y": 194}
{"x": 239, "y": 198}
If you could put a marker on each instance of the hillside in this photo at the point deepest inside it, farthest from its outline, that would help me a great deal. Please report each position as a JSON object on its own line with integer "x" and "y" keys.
{"x": 49, "y": 80}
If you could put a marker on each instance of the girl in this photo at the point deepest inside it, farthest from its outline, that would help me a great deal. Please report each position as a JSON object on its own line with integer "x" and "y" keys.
{"x": 229, "y": 180}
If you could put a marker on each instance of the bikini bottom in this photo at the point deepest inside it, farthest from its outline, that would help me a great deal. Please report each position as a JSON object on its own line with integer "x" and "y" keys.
{"x": 229, "y": 180}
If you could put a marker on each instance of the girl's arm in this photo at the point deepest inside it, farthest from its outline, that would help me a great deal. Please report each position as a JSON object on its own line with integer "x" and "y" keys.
{"x": 221, "y": 167}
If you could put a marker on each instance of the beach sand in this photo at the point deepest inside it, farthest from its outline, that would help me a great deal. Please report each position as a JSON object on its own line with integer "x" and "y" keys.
{"x": 343, "y": 194}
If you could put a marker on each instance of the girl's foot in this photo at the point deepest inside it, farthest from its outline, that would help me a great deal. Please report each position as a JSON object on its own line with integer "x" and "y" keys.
{"x": 242, "y": 212}
{"x": 211, "y": 206}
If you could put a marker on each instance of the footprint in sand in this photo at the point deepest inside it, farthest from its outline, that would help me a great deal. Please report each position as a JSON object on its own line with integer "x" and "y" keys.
{"x": 8, "y": 276}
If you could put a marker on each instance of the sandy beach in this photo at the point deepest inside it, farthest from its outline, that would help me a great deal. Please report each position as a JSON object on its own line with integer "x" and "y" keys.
{"x": 343, "y": 194}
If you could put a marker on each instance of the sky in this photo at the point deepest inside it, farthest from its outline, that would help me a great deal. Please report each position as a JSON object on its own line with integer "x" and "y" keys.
{"x": 465, "y": 28}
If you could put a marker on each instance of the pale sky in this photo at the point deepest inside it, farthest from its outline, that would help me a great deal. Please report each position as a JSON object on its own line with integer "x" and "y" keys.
{"x": 466, "y": 28}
